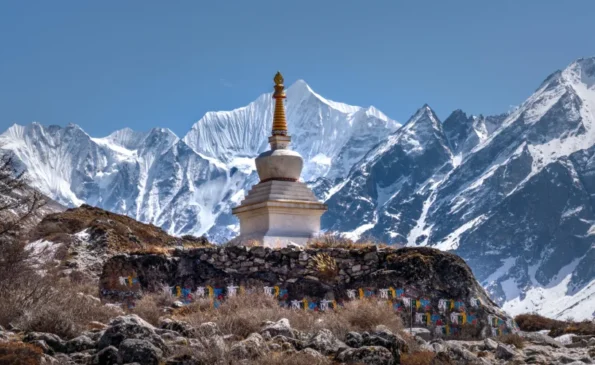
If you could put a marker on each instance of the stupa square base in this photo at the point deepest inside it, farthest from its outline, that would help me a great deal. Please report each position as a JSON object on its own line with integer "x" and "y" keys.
{"x": 279, "y": 223}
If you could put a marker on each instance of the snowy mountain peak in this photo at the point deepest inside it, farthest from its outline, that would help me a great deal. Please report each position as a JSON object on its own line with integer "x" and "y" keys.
{"x": 133, "y": 140}
{"x": 424, "y": 119}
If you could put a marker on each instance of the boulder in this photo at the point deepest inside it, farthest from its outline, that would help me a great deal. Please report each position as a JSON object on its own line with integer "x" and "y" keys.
{"x": 78, "y": 344}
{"x": 456, "y": 351}
{"x": 505, "y": 352}
{"x": 565, "y": 339}
{"x": 107, "y": 356}
{"x": 209, "y": 329}
{"x": 370, "y": 355}
{"x": 354, "y": 339}
{"x": 250, "y": 348}
{"x": 325, "y": 342}
{"x": 540, "y": 339}
{"x": 490, "y": 345}
{"x": 181, "y": 327}
{"x": 53, "y": 341}
{"x": 142, "y": 351}
{"x": 279, "y": 328}
{"x": 314, "y": 357}
{"x": 43, "y": 346}
{"x": 421, "y": 332}
{"x": 129, "y": 327}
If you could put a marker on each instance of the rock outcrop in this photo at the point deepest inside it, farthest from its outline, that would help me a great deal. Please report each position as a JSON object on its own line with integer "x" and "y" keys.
{"x": 431, "y": 288}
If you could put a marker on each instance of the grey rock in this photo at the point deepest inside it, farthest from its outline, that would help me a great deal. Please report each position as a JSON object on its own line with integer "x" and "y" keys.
{"x": 181, "y": 327}
{"x": 490, "y": 345}
{"x": 325, "y": 342}
{"x": 540, "y": 339}
{"x": 313, "y": 357}
{"x": 209, "y": 329}
{"x": 504, "y": 352}
{"x": 43, "y": 346}
{"x": 421, "y": 332}
{"x": 177, "y": 304}
{"x": 279, "y": 328}
{"x": 250, "y": 348}
{"x": 142, "y": 351}
{"x": 80, "y": 343}
{"x": 354, "y": 339}
{"x": 107, "y": 356}
{"x": 129, "y": 327}
{"x": 53, "y": 341}
{"x": 370, "y": 355}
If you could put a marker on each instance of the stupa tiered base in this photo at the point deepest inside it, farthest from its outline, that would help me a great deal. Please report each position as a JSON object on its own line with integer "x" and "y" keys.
{"x": 279, "y": 213}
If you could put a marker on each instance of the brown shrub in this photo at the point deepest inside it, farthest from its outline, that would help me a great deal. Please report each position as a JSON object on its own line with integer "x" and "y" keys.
{"x": 536, "y": 322}
{"x": 18, "y": 353}
{"x": 418, "y": 358}
{"x": 45, "y": 304}
{"x": 149, "y": 309}
{"x": 333, "y": 240}
{"x": 365, "y": 315}
{"x": 513, "y": 339}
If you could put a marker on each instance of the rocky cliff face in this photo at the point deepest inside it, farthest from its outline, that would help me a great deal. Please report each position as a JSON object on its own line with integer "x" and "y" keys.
{"x": 430, "y": 287}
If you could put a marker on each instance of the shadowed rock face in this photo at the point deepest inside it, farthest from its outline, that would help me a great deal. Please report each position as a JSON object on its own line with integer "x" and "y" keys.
{"x": 423, "y": 273}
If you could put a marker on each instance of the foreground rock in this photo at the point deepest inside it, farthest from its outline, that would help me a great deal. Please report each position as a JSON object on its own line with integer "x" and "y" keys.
{"x": 129, "y": 339}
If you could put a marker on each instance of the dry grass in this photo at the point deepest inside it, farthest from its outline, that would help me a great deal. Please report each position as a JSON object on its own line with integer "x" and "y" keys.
{"x": 418, "y": 358}
{"x": 513, "y": 339}
{"x": 245, "y": 314}
{"x": 149, "y": 308}
{"x": 535, "y": 322}
{"x": 336, "y": 240}
{"x": 18, "y": 353}
{"x": 325, "y": 266}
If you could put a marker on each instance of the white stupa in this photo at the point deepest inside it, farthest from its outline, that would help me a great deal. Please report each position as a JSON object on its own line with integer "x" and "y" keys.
{"x": 279, "y": 210}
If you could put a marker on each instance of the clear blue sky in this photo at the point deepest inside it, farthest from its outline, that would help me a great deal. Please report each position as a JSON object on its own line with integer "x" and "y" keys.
{"x": 108, "y": 64}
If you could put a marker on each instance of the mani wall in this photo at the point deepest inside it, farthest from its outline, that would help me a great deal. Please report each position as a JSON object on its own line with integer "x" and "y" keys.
{"x": 432, "y": 288}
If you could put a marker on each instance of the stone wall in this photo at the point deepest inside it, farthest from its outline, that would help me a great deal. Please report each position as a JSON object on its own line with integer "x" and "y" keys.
{"x": 427, "y": 285}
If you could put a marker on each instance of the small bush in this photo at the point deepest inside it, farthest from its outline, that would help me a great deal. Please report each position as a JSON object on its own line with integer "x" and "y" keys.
{"x": 325, "y": 266}
{"x": 50, "y": 305}
{"x": 513, "y": 339}
{"x": 535, "y": 322}
{"x": 148, "y": 308}
{"x": 418, "y": 358}
{"x": 18, "y": 353}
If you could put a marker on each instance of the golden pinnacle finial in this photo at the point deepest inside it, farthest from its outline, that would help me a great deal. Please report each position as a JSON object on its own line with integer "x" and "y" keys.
{"x": 279, "y": 122}
{"x": 278, "y": 78}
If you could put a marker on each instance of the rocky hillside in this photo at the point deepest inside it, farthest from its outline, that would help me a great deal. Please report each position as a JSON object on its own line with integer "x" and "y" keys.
{"x": 81, "y": 239}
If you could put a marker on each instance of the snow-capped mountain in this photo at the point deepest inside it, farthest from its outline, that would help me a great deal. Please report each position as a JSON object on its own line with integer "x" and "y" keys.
{"x": 514, "y": 194}
{"x": 187, "y": 185}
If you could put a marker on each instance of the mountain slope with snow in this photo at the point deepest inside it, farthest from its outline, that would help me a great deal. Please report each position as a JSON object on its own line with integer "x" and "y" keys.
{"x": 511, "y": 194}
{"x": 189, "y": 185}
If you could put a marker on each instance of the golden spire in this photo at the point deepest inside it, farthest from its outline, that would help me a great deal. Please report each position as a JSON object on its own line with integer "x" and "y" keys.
{"x": 279, "y": 121}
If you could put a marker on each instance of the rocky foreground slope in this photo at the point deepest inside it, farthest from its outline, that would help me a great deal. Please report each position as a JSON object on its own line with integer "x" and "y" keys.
{"x": 129, "y": 339}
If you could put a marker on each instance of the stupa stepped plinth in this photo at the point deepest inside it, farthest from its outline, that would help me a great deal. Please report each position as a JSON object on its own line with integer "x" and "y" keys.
{"x": 279, "y": 210}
